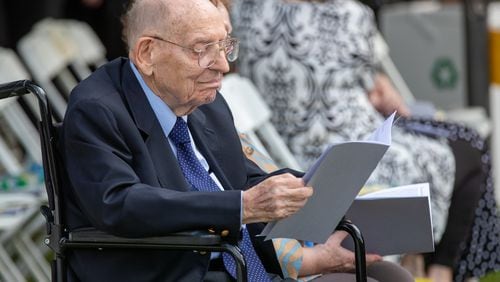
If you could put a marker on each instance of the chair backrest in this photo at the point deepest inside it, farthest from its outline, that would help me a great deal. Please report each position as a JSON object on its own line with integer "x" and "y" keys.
{"x": 59, "y": 54}
{"x": 252, "y": 117}
{"x": 47, "y": 62}
{"x": 73, "y": 34}
{"x": 19, "y": 122}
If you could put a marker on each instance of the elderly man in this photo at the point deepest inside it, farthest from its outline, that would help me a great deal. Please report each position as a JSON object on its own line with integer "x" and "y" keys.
{"x": 150, "y": 149}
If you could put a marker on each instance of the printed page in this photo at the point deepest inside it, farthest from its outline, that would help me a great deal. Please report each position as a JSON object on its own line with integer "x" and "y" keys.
{"x": 336, "y": 178}
{"x": 413, "y": 190}
{"x": 381, "y": 135}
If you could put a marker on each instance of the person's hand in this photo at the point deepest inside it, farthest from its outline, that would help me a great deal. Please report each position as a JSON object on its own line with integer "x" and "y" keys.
{"x": 385, "y": 98}
{"x": 274, "y": 198}
{"x": 331, "y": 257}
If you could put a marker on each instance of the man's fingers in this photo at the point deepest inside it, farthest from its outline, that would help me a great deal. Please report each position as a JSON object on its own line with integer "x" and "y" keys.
{"x": 298, "y": 194}
{"x": 371, "y": 258}
{"x": 339, "y": 236}
{"x": 275, "y": 198}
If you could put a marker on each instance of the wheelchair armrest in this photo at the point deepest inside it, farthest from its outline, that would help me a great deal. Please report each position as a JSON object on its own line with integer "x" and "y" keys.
{"x": 193, "y": 238}
{"x": 202, "y": 241}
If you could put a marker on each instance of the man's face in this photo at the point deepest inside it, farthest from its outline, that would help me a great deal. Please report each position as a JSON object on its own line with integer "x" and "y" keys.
{"x": 177, "y": 77}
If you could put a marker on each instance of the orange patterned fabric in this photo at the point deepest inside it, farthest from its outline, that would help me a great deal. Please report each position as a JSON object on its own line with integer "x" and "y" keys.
{"x": 251, "y": 152}
{"x": 289, "y": 251}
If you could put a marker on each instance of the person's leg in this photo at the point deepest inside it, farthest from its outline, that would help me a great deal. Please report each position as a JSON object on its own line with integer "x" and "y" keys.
{"x": 414, "y": 263}
{"x": 382, "y": 271}
{"x": 467, "y": 191}
{"x": 340, "y": 277}
{"x": 385, "y": 271}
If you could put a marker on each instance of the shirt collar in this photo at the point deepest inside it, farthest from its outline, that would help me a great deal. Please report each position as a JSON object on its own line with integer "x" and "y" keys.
{"x": 163, "y": 113}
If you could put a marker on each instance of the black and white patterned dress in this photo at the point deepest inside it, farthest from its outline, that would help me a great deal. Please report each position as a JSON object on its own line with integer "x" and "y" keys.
{"x": 313, "y": 62}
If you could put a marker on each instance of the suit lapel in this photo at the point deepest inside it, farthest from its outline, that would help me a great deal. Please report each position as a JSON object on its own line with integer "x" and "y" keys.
{"x": 164, "y": 160}
{"x": 206, "y": 141}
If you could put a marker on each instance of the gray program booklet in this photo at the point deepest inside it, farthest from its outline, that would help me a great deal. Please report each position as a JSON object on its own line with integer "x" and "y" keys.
{"x": 336, "y": 177}
{"x": 394, "y": 220}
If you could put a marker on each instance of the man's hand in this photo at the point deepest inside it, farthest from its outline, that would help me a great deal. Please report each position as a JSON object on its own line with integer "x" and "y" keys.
{"x": 274, "y": 198}
{"x": 331, "y": 257}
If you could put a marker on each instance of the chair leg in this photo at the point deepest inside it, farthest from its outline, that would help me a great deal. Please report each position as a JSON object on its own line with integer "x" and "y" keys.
{"x": 35, "y": 248}
{"x": 359, "y": 248}
{"x": 9, "y": 269}
{"x": 30, "y": 261}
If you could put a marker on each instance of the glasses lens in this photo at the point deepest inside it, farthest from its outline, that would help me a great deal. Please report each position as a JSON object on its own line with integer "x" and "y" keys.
{"x": 207, "y": 58}
{"x": 232, "y": 49}
{"x": 212, "y": 52}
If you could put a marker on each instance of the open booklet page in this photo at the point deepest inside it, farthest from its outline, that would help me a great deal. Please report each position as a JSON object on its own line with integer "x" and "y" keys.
{"x": 394, "y": 220}
{"x": 336, "y": 177}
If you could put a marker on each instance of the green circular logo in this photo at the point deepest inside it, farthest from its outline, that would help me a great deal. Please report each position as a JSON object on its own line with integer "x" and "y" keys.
{"x": 444, "y": 73}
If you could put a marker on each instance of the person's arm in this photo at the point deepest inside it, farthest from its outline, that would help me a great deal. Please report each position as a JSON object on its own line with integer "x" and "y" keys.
{"x": 331, "y": 257}
{"x": 104, "y": 153}
{"x": 275, "y": 198}
{"x": 384, "y": 97}
{"x": 116, "y": 186}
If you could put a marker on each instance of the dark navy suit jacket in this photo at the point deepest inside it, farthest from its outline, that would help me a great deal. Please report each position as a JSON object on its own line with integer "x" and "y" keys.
{"x": 125, "y": 180}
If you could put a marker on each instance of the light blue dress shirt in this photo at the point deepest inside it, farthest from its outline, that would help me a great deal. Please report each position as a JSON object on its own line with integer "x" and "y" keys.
{"x": 167, "y": 120}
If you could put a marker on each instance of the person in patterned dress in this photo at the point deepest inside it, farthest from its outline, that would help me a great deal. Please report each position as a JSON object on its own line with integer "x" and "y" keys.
{"x": 313, "y": 62}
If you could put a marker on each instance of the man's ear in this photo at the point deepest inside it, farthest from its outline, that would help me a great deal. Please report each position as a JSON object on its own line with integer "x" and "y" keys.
{"x": 143, "y": 55}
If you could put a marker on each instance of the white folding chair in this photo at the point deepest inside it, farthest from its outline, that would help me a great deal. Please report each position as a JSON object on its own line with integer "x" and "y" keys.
{"x": 61, "y": 53}
{"x": 11, "y": 68}
{"x": 19, "y": 216}
{"x": 252, "y": 116}
{"x": 91, "y": 53}
{"x": 48, "y": 62}
{"x": 15, "y": 210}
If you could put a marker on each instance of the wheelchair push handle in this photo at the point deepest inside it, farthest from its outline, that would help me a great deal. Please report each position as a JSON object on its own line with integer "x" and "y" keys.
{"x": 15, "y": 88}
{"x": 21, "y": 87}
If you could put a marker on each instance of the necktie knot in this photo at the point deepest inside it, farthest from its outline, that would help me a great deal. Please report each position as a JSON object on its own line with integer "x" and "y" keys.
{"x": 179, "y": 134}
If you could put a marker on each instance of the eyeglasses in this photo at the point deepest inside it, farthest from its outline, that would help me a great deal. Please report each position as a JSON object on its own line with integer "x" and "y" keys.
{"x": 208, "y": 53}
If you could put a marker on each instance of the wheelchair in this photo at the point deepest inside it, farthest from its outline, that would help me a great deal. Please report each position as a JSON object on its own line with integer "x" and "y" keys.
{"x": 59, "y": 239}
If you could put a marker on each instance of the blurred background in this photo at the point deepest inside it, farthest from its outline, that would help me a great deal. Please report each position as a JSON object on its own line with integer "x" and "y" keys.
{"x": 443, "y": 56}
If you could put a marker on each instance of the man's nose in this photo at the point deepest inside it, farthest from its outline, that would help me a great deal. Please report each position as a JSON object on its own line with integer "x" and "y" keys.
{"x": 221, "y": 64}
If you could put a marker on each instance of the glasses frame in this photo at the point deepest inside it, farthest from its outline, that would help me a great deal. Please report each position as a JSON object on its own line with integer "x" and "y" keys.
{"x": 203, "y": 50}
